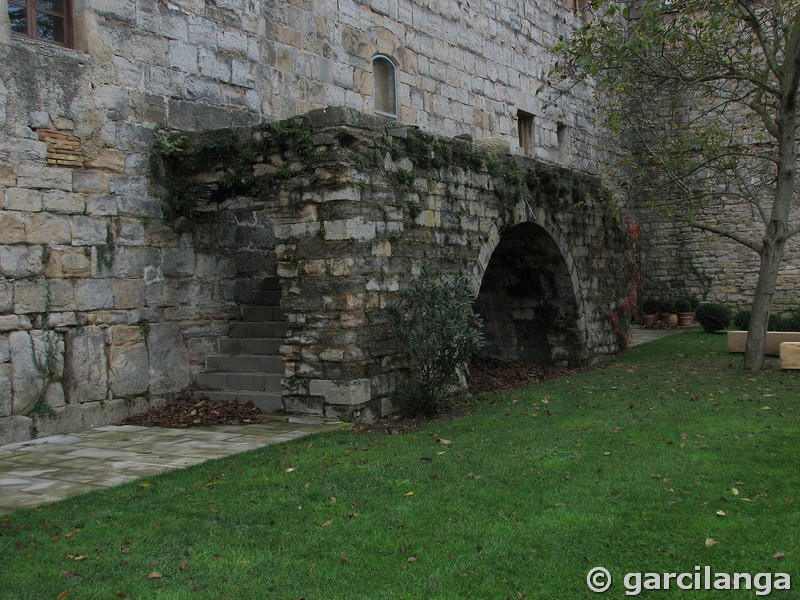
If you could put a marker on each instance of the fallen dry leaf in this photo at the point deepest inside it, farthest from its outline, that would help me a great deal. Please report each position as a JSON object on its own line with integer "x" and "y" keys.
{"x": 412, "y": 559}
{"x": 327, "y": 523}
{"x": 721, "y": 513}
{"x": 63, "y": 595}
{"x": 710, "y": 542}
{"x": 154, "y": 575}
{"x": 408, "y": 494}
{"x": 444, "y": 442}
{"x": 182, "y": 566}
{"x": 778, "y": 555}
{"x": 344, "y": 558}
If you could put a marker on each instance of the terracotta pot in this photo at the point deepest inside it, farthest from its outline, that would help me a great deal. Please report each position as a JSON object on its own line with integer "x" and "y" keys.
{"x": 649, "y": 320}
{"x": 685, "y": 319}
{"x": 672, "y": 320}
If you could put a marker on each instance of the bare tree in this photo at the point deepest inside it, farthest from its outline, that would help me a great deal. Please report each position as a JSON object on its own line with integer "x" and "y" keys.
{"x": 704, "y": 93}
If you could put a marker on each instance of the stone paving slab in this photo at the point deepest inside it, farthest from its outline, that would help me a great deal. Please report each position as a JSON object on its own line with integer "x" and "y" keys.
{"x": 52, "y": 468}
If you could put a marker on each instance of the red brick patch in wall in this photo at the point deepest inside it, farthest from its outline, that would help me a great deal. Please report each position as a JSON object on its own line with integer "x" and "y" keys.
{"x": 63, "y": 149}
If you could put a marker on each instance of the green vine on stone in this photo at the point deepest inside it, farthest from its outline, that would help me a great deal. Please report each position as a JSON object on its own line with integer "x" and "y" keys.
{"x": 47, "y": 365}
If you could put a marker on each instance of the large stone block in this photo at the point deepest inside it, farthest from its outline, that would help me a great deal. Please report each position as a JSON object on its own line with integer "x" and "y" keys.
{"x": 94, "y": 294}
{"x": 67, "y": 419}
{"x": 128, "y": 359}
{"x": 43, "y": 296}
{"x": 96, "y": 414}
{"x": 6, "y": 296}
{"x": 6, "y": 392}
{"x": 63, "y": 202}
{"x": 12, "y": 227}
{"x": 21, "y": 261}
{"x": 129, "y": 293}
{"x": 178, "y": 262}
{"x": 45, "y": 178}
{"x": 23, "y": 199}
{"x": 351, "y": 393}
{"x": 169, "y": 367}
{"x": 89, "y": 231}
{"x": 86, "y": 370}
{"x": 37, "y": 359}
{"x": 15, "y": 429}
{"x": 45, "y": 228}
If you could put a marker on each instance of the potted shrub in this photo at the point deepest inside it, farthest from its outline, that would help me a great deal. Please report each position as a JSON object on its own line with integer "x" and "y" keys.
{"x": 650, "y": 309}
{"x": 713, "y": 316}
{"x": 685, "y": 311}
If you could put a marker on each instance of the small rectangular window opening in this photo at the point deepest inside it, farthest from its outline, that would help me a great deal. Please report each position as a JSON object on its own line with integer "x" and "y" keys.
{"x": 563, "y": 137}
{"x": 525, "y": 131}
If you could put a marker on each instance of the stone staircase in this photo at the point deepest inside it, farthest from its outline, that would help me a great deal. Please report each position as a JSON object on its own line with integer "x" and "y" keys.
{"x": 249, "y": 366}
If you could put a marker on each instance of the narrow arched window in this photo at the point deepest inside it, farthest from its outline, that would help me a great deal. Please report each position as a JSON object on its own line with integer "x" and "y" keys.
{"x": 385, "y": 79}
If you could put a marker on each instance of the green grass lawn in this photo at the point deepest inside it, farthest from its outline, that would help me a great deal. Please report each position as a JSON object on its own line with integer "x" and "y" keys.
{"x": 668, "y": 458}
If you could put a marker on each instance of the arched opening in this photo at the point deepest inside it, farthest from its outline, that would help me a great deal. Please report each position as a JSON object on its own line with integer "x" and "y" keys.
{"x": 527, "y": 301}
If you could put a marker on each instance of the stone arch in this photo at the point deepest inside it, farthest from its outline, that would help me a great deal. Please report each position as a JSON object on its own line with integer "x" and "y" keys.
{"x": 530, "y": 294}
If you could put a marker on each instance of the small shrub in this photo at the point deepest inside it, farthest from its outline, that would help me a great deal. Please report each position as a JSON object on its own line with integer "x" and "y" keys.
{"x": 713, "y": 316}
{"x": 435, "y": 326}
{"x": 650, "y": 306}
{"x": 668, "y": 306}
{"x": 793, "y": 322}
{"x": 778, "y": 323}
{"x": 741, "y": 320}
{"x": 684, "y": 304}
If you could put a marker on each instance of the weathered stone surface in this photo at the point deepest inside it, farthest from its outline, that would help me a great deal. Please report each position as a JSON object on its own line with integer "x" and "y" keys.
{"x": 351, "y": 393}
{"x": 67, "y": 419}
{"x": 129, "y": 293}
{"x": 23, "y": 199}
{"x": 37, "y": 358}
{"x": 5, "y": 390}
{"x": 169, "y": 367}
{"x": 101, "y": 413}
{"x": 15, "y": 429}
{"x": 94, "y": 294}
{"x": 21, "y": 261}
{"x": 44, "y": 228}
{"x": 63, "y": 202}
{"x": 128, "y": 359}
{"x": 5, "y": 353}
{"x": 40, "y": 296}
{"x": 86, "y": 370}
{"x": 6, "y": 296}
{"x": 12, "y": 227}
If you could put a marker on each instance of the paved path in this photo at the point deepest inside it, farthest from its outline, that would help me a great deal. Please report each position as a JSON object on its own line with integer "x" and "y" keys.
{"x": 52, "y": 468}
{"x": 640, "y": 335}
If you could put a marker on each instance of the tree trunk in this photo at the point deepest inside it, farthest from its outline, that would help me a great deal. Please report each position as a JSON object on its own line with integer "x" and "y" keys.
{"x": 771, "y": 256}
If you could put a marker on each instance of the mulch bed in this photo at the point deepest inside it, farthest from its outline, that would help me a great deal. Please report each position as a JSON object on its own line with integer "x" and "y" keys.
{"x": 492, "y": 375}
{"x": 191, "y": 409}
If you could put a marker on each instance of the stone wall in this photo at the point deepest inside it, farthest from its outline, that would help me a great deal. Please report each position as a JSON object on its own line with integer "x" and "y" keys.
{"x": 132, "y": 307}
{"x": 358, "y": 208}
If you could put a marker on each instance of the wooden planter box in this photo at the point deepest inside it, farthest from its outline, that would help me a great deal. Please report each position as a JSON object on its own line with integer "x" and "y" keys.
{"x": 790, "y": 355}
{"x": 737, "y": 340}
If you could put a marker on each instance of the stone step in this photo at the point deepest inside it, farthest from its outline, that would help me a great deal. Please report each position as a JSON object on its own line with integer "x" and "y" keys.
{"x": 250, "y": 346}
{"x": 258, "y": 329}
{"x": 245, "y": 363}
{"x": 271, "y": 284}
{"x": 267, "y": 298}
{"x": 262, "y": 313}
{"x": 266, "y": 401}
{"x": 251, "y": 382}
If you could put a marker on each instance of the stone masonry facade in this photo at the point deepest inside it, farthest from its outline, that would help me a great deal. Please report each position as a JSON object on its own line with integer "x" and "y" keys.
{"x": 105, "y": 309}
{"x": 359, "y": 209}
